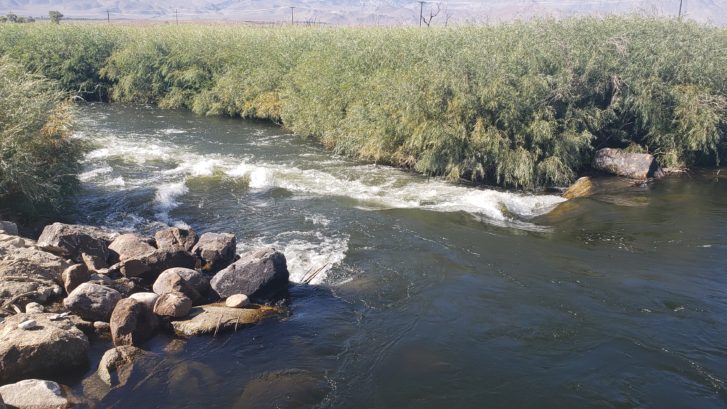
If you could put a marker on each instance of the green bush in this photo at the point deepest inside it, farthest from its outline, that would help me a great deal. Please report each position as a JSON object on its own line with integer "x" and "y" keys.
{"x": 38, "y": 160}
{"x": 521, "y": 105}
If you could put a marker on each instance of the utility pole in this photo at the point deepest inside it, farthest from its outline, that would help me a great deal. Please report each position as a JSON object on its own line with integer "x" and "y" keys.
{"x": 292, "y": 16}
{"x": 681, "y": 3}
{"x": 108, "y": 16}
{"x": 421, "y": 12}
{"x": 176, "y": 15}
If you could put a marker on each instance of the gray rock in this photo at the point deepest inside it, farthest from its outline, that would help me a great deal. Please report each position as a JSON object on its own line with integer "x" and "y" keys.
{"x": 158, "y": 261}
{"x": 28, "y": 274}
{"x": 34, "y": 394}
{"x": 34, "y": 308}
{"x": 132, "y": 323}
{"x": 169, "y": 281}
{"x": 622, "y": 163}
{"x": 28, "y": 325}
{"x": 8, "y": 228}
{"x": 215, "y": 250}
{"x": 256, "y": 272}
{"x": 74, "y": 276}
{"x": 92, "y": 302}
{"x": 117, "y": 364}
{"x": 149, "y": 299}
{"x": 176, "y": 237}
{"x": 53, "y": 346}
{"x": 173, "y": 305}
{"x": 237, "y": 301}
{"x": 209, "y": 319}
{"x": 130, "y": 245}
{"x": 72, "y": 241}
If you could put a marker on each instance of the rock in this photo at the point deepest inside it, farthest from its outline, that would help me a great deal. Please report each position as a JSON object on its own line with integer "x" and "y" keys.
{"x": 132, "y": 322}
{"x": 28, "y": 325}
{"x": 72, "y": 241}
{"x": 216, "y": 250}
{"x": 622, "y": 163}
{"x": 116, "y": 365}
{"x": 74, "y": 276}
{"x": 193, "y": 283}
{"x": 286, "y": 389}
{"x": 94, "y": 262}
{"x": 34, "y": 394}
{"x": 92, "y": 302}
{"x": 158, "y": 261}
{"x": 237, "y": 301}
{"x": 128, "y": 246}
{"x": 582, "y": 187}
{"x": 209, "y": 319}
{"x": 33, "y": 308}
{"x": 173, "y": 305}
{"x": 53, "y": 347}
{"x": 256, "y": 272}
{"x": 101, "y": 327}
{"x": 28, "y": 274}
{"x": 176, "y": 237}
{"x": 149, "y": 299}
{"x": 8, "y": 228}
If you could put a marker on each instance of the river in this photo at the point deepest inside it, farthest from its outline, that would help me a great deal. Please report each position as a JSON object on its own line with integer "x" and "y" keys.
{"x": 417, "y": 293}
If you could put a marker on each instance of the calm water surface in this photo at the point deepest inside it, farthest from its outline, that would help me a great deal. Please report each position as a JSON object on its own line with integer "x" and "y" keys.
{"x": 422, "y": 294}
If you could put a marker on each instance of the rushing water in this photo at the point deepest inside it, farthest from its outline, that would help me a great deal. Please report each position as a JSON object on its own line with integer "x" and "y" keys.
{"x": 423, "y": 294}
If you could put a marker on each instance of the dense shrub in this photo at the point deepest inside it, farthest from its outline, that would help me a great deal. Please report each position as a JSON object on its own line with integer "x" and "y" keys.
{"x": 521, "y": 105}
{"x": 38, "y": 160}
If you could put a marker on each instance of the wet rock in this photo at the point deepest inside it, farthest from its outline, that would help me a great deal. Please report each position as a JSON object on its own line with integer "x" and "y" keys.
{"x": 132, "y": 323}
{"x": 582, "y": 187}
{"x": 51, "y": 347}
{"x": 149, "y": 299}
{"x": 34, "y": 394}
{"x": 8, "y": 228}
{"x": 130, "y": 245}
{"x": 215, "y": 250}
{"x": 173, "y": 305}
{"x": 185, "y": 280}
{"x": 176, "y": 237}
{"x": 622, "y": 163}
{"x": 117, "y": 364}
{"x": 28, "y": 274}
{"x": 71, "y": 241}
{"x": 154, "y": 263}
{"x": 256, "y": 272}
{"x": 74, "y": 276}
{"x": 34, "y": 308}
{"x": 287, "y": 389}
{"x": 237, "y": 301}
{"x": 92, "y": 302}
{"x": 210, "y": 319}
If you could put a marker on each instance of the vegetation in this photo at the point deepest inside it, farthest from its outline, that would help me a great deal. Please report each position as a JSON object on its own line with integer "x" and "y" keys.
{"x": 38, "y": 160}
{"x": 521, "y": 105}
{"x": 55, "y": 16}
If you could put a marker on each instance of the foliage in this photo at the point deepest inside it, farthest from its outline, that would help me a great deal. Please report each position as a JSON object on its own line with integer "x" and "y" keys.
{"x": 522, "y": 105}
{"x": 38, "y": 160}
{"x": 55, "y": 16}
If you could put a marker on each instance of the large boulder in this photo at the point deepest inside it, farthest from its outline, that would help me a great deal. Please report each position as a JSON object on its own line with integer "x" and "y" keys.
{"x": 169, "y": 281}
{"x": 148, "y": 298}
{"x": 92, "y": 302}
{"x": 132, "y": 322}
{"x": 173, "y": 305}
{"x": 130, "y": 245}
{"x": 74, "y": 276}
{"x": 176, "y": 237}
{"x": 117, "y": 364}
{"x": 622, "y": 163}
{"x": 27, "y": 273}
{"x": 34, "y": 394}
{"x": 154, "y": 263}
{"x": 209, "y": 319}
{"x": 582, "y": 187}
{"x": 72, "y": 241}
{"x": 256, "y": 272}
{"x": 215, "y": 250}
{"x": 52, "y": 346}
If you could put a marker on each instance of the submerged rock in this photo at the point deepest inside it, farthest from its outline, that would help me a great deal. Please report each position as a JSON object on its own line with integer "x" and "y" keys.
{"x": 132, "y": 323}
{"x": 92, "y": 302}
{"x": 256, "y": 272}
{"x": 622, "y": 163}
{"x": 176, "y": 237}
{"x": 69, "y": 240}
{"x": 52, "y": 346}
{"x": 209, "y": 319}
{"x": 582, "y": 187}
{"x": 117, "y": 364}
{"x": 34, "y": 394}
{"x": 215, "y": 250}
{"x": 287, "y": 389}
{"x": 130, "y": 245}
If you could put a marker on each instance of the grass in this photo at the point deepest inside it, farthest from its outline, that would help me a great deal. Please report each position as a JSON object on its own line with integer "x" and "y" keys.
{"x": 522, "y": 105}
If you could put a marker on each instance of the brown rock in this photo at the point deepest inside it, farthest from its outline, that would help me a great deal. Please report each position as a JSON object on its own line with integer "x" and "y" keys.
{"x": 173, "y": 305}
{"x": 209, "y": 319}
{"x": 72, "y": 241}
{"x": 622, "y": 163}
{"x": 34, "y": 394}
{"x": 117, "y": 364}
{"x": 132, "y": 323}
{"x": 190, "y": 282}
{"x": 92, "y": 302}
{"x": 128, "y": 246}
{"x": 215, "y": 250}
{"x": 27, "y": 273}
{"x": 176, "y": 237}
{"x": 237, "y": 301}
{"x": 582, "y": 187}
{"x": 158, "y": 261}
{"x": 74, "y": 276}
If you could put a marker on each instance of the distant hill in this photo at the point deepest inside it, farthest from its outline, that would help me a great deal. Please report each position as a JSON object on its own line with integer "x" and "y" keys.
{"x": 349, "y": 12}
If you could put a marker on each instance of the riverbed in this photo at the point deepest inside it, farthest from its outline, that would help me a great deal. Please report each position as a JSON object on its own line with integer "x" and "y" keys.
{"x": 413, "y": 292}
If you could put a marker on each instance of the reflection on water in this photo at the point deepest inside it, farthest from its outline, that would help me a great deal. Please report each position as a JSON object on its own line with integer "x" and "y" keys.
{"x": 427, "y": 294}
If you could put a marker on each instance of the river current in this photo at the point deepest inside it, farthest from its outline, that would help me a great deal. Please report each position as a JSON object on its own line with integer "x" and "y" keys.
{"x": 414, "y": 292}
